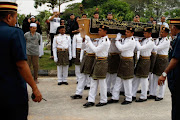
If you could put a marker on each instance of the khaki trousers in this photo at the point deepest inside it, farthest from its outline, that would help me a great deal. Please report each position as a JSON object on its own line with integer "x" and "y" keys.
{"x": 34, "y": 59}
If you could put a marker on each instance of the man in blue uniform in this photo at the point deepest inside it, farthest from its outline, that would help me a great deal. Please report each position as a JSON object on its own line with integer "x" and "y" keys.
{"x": 14, "y": 70}
{"x": 173, "y": 69}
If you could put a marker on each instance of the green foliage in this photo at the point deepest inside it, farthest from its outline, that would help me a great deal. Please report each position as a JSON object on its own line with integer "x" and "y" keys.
{"x": 21, "y": 18}
{"x": 50, "y": 3}
{"x": 118, "y": 8}
{"x": 43, "y": 16}
{"x": 91, "y": 3}
{"x": 175, "y": 13}
{"x": 113, "y": 6}
{"x": 73, "y": 8}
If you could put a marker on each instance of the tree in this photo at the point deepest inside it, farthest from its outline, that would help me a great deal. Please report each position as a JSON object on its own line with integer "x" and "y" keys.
{"x": 73, "y": 8}
{"x": 152, "y": 7}
{"x": 21, "y": 18}
{"x": 50, "y": 3}
{"x": 42, "y": 17}
{"x": 91, "y": 3}
{"x": 120, "y": 10}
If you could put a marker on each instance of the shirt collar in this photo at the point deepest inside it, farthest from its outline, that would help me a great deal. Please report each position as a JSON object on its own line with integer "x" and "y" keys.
{"x": 2, "y": 23}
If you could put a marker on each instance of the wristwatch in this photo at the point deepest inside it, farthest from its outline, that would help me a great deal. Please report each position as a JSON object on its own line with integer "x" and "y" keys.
{"x": 164, "y": 74}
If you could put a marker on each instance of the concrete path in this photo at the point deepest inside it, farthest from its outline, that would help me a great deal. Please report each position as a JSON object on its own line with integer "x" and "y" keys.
{"x": 59, "y": 105}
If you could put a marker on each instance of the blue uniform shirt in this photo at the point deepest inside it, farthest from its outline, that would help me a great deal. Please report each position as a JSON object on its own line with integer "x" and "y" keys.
{"x": 174, "y": 75}
{"x": 13, "y": 88}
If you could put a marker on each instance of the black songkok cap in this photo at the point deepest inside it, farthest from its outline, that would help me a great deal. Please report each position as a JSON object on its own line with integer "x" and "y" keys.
{"x": 130, "y": 29}
{"x": 165, "y": 29}
{"x": 148, "y": 29}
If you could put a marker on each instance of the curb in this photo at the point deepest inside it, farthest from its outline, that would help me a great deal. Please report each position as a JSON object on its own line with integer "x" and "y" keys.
{"x": 53, "y": 73}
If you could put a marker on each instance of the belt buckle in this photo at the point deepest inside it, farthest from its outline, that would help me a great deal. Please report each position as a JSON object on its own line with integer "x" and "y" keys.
{"x": 63, "y": 49}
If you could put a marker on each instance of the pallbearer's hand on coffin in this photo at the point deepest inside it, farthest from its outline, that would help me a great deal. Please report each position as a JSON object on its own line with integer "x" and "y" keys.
{"x": 87, "y": 38}
{"x": 118, "y": 36}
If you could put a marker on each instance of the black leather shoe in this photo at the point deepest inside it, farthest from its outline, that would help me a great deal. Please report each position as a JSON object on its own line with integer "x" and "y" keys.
{"x": 122, "y": 93}
{"x": 100, "y": 104}
{"x": 139, "y": 91}
{"x": 133, "y": 98}
{"x": 147, "y": 92}
{"x": 76, "y": 97}
{"x": 86, "y": 88}
{"x": 126, "y": 102}
{"x": 65, "y": 83}
{"x": 88, "y": 104}
{"x": 112, "y": 101}
{"x": 109, "y": 94}
{"x": 151, "y": 97}
{"x": 141, "y": 100}
{"x": 60, "y": 83}
{"x": 158, "y": 99}
{"x": 87, "y": 98}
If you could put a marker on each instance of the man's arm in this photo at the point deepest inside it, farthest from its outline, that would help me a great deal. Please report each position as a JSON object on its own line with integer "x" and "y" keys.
{"x": 170, "y": 67}
{"x": 25, "y": 72}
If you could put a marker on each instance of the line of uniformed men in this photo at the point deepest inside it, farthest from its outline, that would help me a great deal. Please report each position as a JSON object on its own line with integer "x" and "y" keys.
{"x": 110, "y": 63}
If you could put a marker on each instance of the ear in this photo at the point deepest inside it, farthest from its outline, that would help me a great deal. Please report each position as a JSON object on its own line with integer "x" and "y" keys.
{"x": 9, "y": 17}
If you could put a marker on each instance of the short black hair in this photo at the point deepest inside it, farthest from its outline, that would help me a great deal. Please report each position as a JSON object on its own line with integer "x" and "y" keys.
{"x": 84, "y": 14}
{"x": 137, "y": 15}
{"x": 60, "y": 27}
{"x": 96, "y": 13}
{"x": 71, "y": 14}
{"x": 4, "y": 14}
{"x": 151, "y": 17}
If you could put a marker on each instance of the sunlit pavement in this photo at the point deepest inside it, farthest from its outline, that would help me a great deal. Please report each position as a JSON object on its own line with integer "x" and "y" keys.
{"x": 59, "y": 105}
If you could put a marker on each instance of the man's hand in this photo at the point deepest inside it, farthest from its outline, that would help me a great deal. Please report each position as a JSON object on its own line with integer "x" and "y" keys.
{"x": 161, "y": 80}
{"x": 29, "y": 20}
{"x": 38, "y": 96}
{"x": 55, "y": 59}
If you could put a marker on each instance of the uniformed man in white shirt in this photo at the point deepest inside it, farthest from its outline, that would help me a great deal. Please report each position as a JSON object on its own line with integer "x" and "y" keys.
{"x": 143, "y": 65}
{"x": 126, "y": 67}
{"x": 87, "y": 59}
{"x": 76, "y": 51}
{"x": 113, "y": 64}
{"x": 153, "y": 59}
{"x": 62, "y": 54}
{"x": 99, "y": 68}
{"x": 160, "y": 64}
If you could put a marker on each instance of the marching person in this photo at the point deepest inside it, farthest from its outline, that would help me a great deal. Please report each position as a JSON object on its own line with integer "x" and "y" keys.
{"x": 14, "y": 72}
{"x": 143, "y": 65}
{"x": 172, "y": 70}
{"x": 160, "y": 64}
{"x": 32, "y": 48}
{"x": 151, "y": 79}
{"x": 62, "y": 54}
{"x": 100, "y": 67}
{"x": 113, "y": 64}
{"x": 87, "y": 59}
{"x": 76, "y": 51}
{"x": 126, "y": 67}
{"x": 54, "y": 24}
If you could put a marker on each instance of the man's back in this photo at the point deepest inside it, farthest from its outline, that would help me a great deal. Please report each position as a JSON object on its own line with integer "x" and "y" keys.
{"x": 13, "y": 48}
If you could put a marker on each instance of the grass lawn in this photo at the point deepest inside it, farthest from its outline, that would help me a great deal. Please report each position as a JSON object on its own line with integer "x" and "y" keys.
{"x": 48, "y": 64}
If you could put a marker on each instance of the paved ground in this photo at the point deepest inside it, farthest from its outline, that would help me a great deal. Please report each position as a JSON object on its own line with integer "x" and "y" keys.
{"x": 59, "y": 106}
